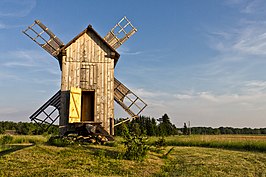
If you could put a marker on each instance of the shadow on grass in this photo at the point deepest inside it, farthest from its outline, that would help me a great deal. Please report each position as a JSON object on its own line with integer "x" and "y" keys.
{"x": 13, "y": 148}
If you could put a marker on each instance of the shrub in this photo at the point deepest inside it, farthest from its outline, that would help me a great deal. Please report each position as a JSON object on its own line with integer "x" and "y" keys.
{"x": 161, "y": 142}
{"x": 135, "y": 144}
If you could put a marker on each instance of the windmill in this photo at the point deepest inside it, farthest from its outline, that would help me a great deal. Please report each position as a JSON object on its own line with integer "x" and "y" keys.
{"x": 88, "y": 86}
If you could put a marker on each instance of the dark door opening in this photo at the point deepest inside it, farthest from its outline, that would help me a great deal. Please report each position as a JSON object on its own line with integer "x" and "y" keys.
{"x": 87, "y": 106}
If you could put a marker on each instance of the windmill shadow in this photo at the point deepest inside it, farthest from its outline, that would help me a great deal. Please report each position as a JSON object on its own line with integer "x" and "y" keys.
{"x": 14, "y": 148}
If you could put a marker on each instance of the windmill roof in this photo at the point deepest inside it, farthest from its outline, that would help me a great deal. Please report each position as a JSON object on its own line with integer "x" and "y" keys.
{"x": 89, "y": 28}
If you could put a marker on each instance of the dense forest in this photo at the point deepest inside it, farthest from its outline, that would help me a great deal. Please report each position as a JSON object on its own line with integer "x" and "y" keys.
{"x": 26, "y": 128}
{"x": 164, "y": 127}
{"x": 143, "y": 125}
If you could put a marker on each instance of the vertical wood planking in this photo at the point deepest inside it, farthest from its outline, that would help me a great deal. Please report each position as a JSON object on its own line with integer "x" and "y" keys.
{"x": 87, "y": 67}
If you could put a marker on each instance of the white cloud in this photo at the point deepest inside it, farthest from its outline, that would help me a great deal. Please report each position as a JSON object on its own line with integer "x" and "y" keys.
{"x": 183, "y": 96}
{"x": 125, "y": 51}
{"x": 207, "y": 108}
{"x": 255, "y": 87}
{"x": 149, "y": 94}
{"x": 248, "y": 40}
{"x": 8, "y": 76}
{"x": 24, "y": 58}
{"x": 7, "y": 110}
{"x": 14, "y": 8}
{"x": 17, "y": 64}
{"x": 3, "y": 26}
{"x": 251, "y": 41}
{"x": 6, "y": 26}
{"x": 20, "y": 65}
{"x": 247, "y": 6}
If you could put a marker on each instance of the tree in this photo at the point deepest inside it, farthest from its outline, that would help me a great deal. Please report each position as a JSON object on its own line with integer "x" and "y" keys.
{"x": 185, "y": 129}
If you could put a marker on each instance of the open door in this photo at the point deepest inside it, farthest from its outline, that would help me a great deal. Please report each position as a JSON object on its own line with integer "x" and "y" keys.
{"x": 87, "y": 107}
{"x": 75, "y": 105}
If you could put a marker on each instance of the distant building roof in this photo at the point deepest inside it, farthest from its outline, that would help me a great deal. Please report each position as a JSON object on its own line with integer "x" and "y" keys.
{"x": 10, "y": 132}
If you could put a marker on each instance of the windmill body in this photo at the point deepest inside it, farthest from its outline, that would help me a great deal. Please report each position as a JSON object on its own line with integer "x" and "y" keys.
{"x": 88, "y": 86}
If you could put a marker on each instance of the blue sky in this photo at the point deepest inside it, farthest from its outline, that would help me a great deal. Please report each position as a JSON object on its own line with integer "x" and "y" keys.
{"x": 197, "y": 61}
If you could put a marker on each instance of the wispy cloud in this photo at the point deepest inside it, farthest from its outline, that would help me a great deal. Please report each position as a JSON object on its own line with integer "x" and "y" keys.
{"x": 240, "y": 53}
{"x": 22, "y": 64}
{"x": 247, "y": 6}
{"x": 183, "y": 96}
{"x": 200, "y": 107}
{"x": 149, "y": 94}
{"x": 8, "y": 76}
{"x": 126, "y": 51}
{"x": 255, "y": 87}
{"x": 23, "y": 58}
{"x": 7, "y": 110}
{"x": 3, "y": 26}
{"x": 251, "y": 7}
{"x": 7, "y": 26}
{"x": 14, "y": 8}
{"x": 246, "y": 40}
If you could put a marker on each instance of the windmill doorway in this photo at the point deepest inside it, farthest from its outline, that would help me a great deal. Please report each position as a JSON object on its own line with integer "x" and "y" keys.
{"x": 87, "y": 106}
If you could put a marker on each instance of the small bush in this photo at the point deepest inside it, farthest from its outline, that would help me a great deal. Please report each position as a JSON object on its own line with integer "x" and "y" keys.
{"x": 135, "y": 144}
{"x": 6, "y": 139}
{"x": 161, "y": 142}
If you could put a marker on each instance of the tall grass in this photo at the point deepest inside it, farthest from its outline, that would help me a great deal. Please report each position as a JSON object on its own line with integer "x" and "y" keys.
{"x": 24, "y": 139}
{"x": 237, "y": 142}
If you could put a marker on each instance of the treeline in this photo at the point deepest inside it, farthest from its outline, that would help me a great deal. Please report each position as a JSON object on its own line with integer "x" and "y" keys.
{"x": 226, "y": 130}
{"x": 163, "y": 127}
{"x": 26, "y": 128}
{"x": 143, "y": 125}
{"x": 148, "y": 126}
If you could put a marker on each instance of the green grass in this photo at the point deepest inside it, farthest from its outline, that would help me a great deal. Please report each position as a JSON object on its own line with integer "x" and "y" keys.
{"x": 3, "y": 148}
{"x": 194, "y": 161}
{"x": 97, "y": 160}
{"x": 92, "y": 160}
{"x": 237, "y": 142}
{"x": 26, "y": 139}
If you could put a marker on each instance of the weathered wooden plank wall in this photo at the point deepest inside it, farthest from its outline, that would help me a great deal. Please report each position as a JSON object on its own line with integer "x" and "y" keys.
{"x": 87, "y": 66}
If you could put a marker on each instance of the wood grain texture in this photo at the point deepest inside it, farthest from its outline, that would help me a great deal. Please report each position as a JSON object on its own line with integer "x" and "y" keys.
{"x": 88, "y": 66}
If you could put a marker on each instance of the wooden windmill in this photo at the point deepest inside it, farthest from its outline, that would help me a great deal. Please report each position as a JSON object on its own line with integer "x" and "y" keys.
{"x": 88, "y": 86}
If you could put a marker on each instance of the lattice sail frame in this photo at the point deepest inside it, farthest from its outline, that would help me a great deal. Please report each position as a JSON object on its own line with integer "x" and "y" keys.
{"x": 128, "y": 100}
{"x": 50, "y": 115}
{"x": 121, "y": 32}
{"x": 44, "y": 37}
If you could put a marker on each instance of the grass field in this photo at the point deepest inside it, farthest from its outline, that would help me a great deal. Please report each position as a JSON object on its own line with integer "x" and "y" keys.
{"x": 237, "y": 142}
{"x": 20, "y": 139}
{"x": 97, "y": 160}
